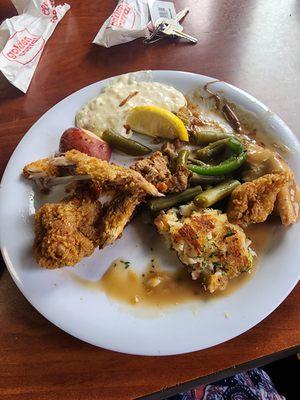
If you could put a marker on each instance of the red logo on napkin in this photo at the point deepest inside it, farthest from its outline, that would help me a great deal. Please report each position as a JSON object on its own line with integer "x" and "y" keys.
{"x": 120, "y": 14}
{"x": 23, "y": 47}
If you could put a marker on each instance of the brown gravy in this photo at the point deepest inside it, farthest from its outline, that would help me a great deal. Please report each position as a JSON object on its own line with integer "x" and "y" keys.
{"x": 261, "y": 235}
{"x": 174, "y": 287}
{"x": 121, "y": 283}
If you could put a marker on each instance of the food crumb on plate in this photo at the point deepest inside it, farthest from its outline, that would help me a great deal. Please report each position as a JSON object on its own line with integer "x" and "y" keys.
{"x": 135, "y": 300}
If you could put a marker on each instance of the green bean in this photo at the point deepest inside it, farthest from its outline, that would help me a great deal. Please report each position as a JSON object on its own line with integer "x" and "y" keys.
{"x": 207, "y": 187}
{"x": 182, "y": 157}
{"x": 206, "y": 179}
{"x": 209, "y": 152}
{"x": 195, "y": 161}
{"x": 215, "y": 194}
{"x": 127, "y": 146}
{"x": 175, "y": 199}
{"x": 201, "y": 137}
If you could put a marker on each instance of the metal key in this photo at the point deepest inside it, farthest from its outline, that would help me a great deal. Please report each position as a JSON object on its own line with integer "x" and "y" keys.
{"x": 173, "y": 27}
{"x": 156, "y": 34}
{"x": 182, "y": 35}
{"x": 183, "y": 13}
{"x": 175, "y": 21}
{"x": 170, "y": 24}
{"x": 170, "y": 27}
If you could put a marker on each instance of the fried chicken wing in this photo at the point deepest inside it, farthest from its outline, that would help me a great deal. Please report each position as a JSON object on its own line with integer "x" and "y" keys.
{"x": 265, "y": 161}
{"x": 74, "y": 163}
{"x": 116, "y": 215}
{"x": 288, "y": 199}
{"x": 287, "y": 203}
{"x": 253, "y": 202}
{"x": 70, "y": 230}
{"x": 66, "y": 232}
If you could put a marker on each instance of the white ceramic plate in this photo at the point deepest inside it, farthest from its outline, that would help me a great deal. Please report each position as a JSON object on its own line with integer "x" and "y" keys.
{"x": 88, "y": 314}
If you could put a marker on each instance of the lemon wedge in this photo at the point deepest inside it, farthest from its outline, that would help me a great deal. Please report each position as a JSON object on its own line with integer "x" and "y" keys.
{"x": 156, "y": 121}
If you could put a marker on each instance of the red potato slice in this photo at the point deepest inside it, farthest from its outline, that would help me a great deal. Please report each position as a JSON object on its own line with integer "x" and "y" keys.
{"x": 86, "y": 142}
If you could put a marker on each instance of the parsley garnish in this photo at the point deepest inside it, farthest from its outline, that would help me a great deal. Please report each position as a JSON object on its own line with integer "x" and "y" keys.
{"x": 216, "y": 264}
{"x": 229, "y": 233}
{"x": 127, "y": 264}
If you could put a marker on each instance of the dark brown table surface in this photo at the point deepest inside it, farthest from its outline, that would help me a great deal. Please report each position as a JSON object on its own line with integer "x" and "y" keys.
{"x": 253, "y": 44}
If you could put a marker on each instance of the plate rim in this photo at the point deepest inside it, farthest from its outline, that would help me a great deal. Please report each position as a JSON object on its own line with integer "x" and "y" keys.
{"x": 284, "y": 126}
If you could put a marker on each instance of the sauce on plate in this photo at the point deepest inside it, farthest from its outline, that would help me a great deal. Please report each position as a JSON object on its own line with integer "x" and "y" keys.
{"x": 158, "y": 287}
{"x": 173, "y": 287}
{"x": 261, "y": 235}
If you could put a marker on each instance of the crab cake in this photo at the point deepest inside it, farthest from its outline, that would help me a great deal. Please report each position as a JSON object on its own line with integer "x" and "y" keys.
{"x": 213, "y": 249}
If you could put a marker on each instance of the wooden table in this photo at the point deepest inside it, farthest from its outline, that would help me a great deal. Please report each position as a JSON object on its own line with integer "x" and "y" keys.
{"x": 253, "y": 44}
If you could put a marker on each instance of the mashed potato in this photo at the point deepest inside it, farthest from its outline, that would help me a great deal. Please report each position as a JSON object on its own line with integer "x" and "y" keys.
{"x": 108, "y": 110}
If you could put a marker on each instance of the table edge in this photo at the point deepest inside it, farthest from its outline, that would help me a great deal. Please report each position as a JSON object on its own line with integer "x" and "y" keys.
{"x": 256, "y": 363}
